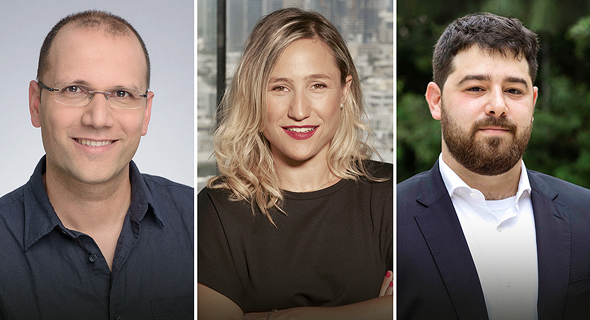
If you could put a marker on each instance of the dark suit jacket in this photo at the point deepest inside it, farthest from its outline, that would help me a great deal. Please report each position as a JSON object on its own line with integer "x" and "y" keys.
{"x": 436, "y": 276}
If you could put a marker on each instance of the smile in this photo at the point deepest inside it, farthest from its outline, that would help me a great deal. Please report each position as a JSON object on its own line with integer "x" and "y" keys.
{"x": 93, "y": 143}
{"x": 300, "y": 133}
{"x": 301, "y": 129}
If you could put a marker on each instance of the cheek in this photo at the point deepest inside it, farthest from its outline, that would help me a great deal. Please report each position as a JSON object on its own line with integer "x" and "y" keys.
{"x": 276, "y": 108}
{"x": 55, "y": 119}
{"x": 132, "y": 125}
{"x": 329, "y": 107}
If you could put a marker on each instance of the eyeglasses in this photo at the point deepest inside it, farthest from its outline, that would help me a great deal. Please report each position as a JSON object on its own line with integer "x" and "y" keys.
{"x": 78, "y": 95}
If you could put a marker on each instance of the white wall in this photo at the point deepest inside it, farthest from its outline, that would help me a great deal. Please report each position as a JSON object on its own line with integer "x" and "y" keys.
{"x": 167, "y": 29}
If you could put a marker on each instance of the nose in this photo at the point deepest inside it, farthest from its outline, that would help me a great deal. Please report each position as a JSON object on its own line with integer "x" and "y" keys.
{"x": 98, "y": 113}
{"x": 300, "y": 107}
{"x": 496, "y": 106}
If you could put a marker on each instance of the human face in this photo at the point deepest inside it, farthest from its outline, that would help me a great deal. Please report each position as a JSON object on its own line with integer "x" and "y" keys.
{"x": 486, "y": 110}
{"x": 304, "y": 94}
{"x": 91, "y": 144}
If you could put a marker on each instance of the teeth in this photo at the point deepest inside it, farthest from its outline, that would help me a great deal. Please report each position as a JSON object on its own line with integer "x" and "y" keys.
{"x": 301, "y": 130}
{"x": 93, "y": 143}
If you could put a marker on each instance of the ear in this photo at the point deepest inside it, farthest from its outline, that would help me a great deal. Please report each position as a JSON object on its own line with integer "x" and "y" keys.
{"x": 434, "y": 99}
{"x": 147, "y": 113}
{"x": 535, "y": 95}
{"x": 346, "y": 88}
{"x": 34, "y": 102}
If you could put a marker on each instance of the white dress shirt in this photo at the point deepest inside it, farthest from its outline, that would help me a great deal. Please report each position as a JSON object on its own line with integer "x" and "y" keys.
{"x": 502, "y": 240}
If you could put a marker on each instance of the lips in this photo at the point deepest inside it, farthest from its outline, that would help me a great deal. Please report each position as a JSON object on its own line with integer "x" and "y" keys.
{"x": 300, "y": 132}
{"x": 497, "y": 124}
{"x": 94, "y": 143}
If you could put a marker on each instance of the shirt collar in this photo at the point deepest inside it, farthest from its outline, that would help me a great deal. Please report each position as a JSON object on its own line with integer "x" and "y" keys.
{"x": 453, "y": 181}
{"x": 40, "y": 216}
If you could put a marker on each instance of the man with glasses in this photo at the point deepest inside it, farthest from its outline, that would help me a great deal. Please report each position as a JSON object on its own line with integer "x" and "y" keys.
{"x": 89, "y": 236}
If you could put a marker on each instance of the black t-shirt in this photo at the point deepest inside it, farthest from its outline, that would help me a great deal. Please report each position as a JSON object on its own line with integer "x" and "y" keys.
{"x": 332, "y": 248}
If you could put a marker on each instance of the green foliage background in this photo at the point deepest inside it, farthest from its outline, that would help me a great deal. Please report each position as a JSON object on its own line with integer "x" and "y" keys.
{"x": 560, "y": 142}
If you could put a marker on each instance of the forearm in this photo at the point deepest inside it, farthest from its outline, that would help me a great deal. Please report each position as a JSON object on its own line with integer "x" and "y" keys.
{"x": 374, "y": 309}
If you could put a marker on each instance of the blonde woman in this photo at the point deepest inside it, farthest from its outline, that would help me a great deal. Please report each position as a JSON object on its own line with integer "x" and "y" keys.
{"x": 298, "y": 224}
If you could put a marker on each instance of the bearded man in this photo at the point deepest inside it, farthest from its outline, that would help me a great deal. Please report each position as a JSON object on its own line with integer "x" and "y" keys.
{"x": 479, "y": 236}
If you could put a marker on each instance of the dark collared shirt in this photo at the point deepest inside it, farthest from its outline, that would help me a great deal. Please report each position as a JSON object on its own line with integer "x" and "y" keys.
{"x": 50, "y": 272}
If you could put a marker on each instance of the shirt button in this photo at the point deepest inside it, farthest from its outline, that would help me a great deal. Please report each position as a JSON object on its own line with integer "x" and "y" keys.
{"x": 499, "y": 228}
{"x": 473, "y": 195}
{"x": 92, "y": 258}
{"x": 116, "y": 316}
{"x": 508, "y": 284}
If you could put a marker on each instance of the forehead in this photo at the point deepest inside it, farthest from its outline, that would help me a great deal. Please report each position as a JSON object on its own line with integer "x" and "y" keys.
{"x": 307, "y": 56}
{"x": 475, "y": 61}
{"x": 93, "y": 54}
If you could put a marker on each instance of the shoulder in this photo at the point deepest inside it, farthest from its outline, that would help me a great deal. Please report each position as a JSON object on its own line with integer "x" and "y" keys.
{"x": 378, "y": 184}
{"x": 167, "y": 193}
{"x": 562, "y": 191}
{"x": 411, "y": 185}
{"x": 220, "y": 201}
{"x": 377, "y": 169}
{"x": 161, "y": 182}
{"x": 12, "y": 198}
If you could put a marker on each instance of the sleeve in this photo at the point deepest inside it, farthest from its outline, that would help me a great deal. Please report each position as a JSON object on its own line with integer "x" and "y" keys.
{"x": 216, "y": 267}
{"x": 383, "y": 198}
{"x": 387, "y": 233}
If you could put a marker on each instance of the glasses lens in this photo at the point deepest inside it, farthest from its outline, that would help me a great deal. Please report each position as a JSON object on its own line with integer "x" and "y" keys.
{"x": 72, "y": 95}
{"x": 76, "y": 95}
{"x": 126, "y": 99}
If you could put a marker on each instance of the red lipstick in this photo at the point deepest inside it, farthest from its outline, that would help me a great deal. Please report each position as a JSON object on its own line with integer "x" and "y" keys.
{"x": 301, "y": 133}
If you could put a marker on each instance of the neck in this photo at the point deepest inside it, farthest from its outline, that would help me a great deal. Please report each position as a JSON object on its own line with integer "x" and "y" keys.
{"x": 305, "y": 176}
{"x": 495, "y": 187}
{"x": 89, "y": 208}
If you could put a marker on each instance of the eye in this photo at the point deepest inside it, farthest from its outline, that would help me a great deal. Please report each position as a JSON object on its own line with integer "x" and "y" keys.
{"x": 319, "y": 86}
{"x": 280, "y": 88}
{"x": 514, "y": 91}
{"x": 475, "y": 89}
{"x": 121, "y": 94}
{"x": 73, "y": 89}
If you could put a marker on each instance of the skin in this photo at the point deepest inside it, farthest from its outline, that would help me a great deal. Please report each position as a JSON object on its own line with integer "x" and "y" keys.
{"x": 88, "y": 186}
{"x": 482, "y": 85}
{"x": 304, "y": 91}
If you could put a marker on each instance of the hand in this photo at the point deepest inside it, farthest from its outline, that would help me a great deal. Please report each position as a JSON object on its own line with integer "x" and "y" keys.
{"x": 387, "y": 286}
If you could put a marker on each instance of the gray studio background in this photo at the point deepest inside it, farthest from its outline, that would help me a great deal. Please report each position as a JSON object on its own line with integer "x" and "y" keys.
{"x": 167, "y": 29}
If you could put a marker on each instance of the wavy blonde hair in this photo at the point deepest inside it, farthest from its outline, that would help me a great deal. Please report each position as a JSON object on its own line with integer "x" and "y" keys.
{"x": 242, "y": 152}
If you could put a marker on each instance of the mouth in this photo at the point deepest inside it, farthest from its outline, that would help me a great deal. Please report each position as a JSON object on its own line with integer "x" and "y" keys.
{"x": 300, "y": 133}
{"x": 495, "y": 130}
{"x": 300, "y": 129}
{"x": 94, "y": 143}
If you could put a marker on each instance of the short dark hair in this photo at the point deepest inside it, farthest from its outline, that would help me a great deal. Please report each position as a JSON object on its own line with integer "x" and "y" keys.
{"x": 91, "y": 19}
{"x": 491, "y": 33}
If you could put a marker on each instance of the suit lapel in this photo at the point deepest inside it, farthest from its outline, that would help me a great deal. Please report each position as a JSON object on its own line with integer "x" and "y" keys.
{"x": 442, "y": 231}
{"x": 553, "y": 248}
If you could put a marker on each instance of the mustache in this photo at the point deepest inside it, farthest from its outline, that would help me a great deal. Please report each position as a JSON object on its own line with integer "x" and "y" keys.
{"x": 494, "y": 122}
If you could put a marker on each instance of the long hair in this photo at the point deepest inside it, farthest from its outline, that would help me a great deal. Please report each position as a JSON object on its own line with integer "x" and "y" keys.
{"x": 242, "y": 152}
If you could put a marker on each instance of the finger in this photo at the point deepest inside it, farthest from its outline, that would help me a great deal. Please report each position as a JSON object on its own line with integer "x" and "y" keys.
{"x": 386, "y": 281}
{"x": 389, "y": 291}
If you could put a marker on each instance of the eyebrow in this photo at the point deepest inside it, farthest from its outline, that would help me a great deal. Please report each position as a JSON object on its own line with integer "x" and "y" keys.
{"x": 485, "y": 77}
{"x": 309, "y": 77}
{"x": 87, "y": 84}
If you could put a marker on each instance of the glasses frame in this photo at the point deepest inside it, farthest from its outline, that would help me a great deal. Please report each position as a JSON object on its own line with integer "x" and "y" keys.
{"x": 91, "y": 92}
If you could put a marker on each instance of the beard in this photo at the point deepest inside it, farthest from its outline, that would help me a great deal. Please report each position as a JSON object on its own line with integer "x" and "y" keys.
{"x": 487, "y": 156}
